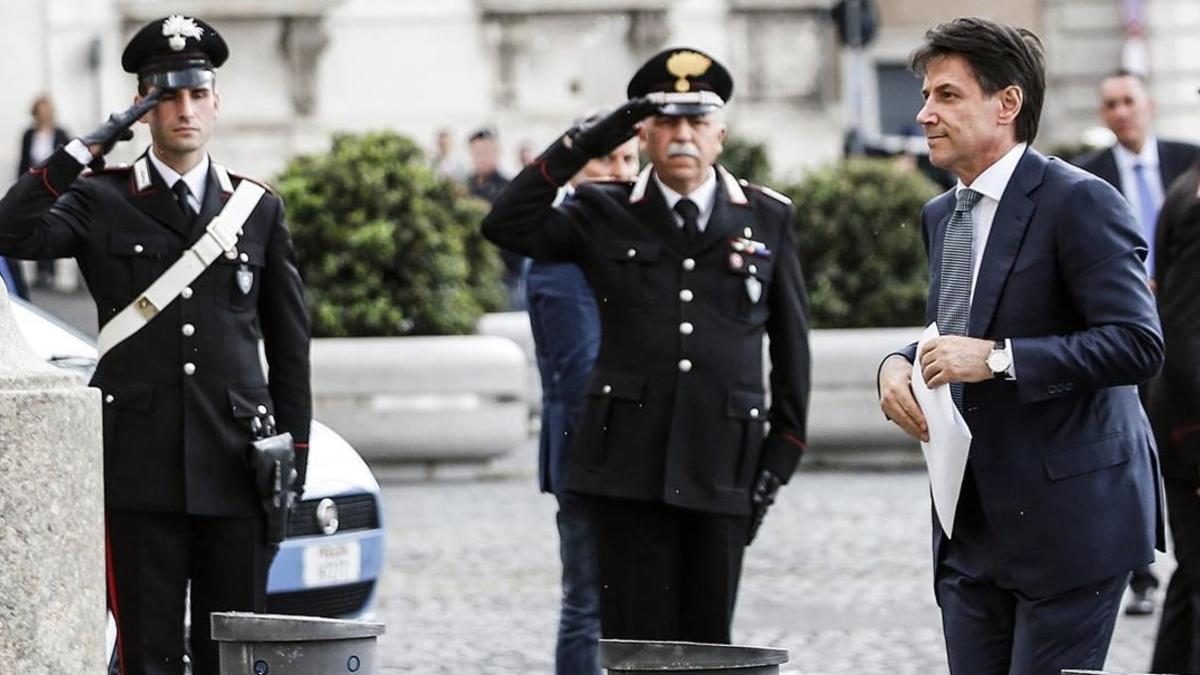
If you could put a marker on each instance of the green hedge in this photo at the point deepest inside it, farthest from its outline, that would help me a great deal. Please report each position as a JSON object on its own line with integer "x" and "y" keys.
{"x": 385, "y": 246}
{"x": 859, "y": 234}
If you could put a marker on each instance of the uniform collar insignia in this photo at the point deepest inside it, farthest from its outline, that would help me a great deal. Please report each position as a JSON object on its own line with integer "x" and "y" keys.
{"x": 178, "y": 28}
{"x": 687, "y": 64}
{"x": 223, "y": 178}
{"x": 736, "y": 194}
{"x": 141, "y": 174}
{"x": 639, "y": 188}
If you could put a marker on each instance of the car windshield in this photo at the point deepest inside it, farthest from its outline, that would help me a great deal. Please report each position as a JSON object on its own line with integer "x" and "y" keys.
{"x": 53, "y": 340}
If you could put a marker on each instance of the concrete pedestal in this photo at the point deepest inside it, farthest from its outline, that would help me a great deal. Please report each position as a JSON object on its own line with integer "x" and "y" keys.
{"x": 52, "y": 610}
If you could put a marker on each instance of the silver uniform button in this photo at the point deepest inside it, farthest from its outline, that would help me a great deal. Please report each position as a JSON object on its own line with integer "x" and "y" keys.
{"x": 753, "y": 269}
{"x": 189, "y": 368}
{"x": 607, "y": 389}
{"x": 186, "y": 292}
{"x": 138, "y": 248}
{"x": 686, "y": 295}
{"x": 689, "y": 264}
{"x": 244, "y": 258}
{"x": 686, "y": 328}
{"x": 262, "y": 410}
{"x": 632, "y": 253}
{"x": 684, "y": 365}
{"x": 754, "y": 413}
{"x": 188, "y": 329}
{"x": 748, "y": 232}
{"x": 109, "y": 399}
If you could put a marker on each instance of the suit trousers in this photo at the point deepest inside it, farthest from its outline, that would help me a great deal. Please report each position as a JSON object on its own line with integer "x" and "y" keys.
{"x": 666, "y": 573}
{"x": 1177, "y": 648}
{"x": 152, "y": 556}
{"x": 577, "y": 651}
{"x": 992, "y": 628}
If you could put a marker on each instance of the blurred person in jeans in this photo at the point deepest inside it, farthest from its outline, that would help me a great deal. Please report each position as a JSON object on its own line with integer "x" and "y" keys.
{"x": 566, "y": 333}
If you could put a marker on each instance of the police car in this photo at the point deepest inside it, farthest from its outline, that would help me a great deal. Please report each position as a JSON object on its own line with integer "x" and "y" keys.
{"x": 333, "y": 554}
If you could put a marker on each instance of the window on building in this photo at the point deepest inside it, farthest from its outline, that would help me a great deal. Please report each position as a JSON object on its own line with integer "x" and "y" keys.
{"x": 899, "y": 98}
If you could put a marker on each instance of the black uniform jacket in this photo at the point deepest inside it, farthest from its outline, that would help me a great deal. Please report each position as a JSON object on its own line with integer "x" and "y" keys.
{"x": 1175, "y": 396}
{"x": 675, "y": 408}
{"x": 179, "y": 394}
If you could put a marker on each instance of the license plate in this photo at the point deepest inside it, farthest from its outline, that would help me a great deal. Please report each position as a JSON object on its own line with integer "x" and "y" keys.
{"x": 329, "y": 564}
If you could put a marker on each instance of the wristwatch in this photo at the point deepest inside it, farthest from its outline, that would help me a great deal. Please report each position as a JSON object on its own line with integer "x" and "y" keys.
{"x": 999, "y": 360}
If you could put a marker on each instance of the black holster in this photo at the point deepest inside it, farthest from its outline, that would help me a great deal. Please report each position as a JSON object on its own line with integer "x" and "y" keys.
{"x": 273, "y": 459}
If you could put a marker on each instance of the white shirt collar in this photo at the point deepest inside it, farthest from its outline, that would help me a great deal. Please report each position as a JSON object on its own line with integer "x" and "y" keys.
{"x": 992, "y": 182}
{"x": 196, "y": 179}
{"x": 704, "y": 196}
{"x": 1148, "y": 157}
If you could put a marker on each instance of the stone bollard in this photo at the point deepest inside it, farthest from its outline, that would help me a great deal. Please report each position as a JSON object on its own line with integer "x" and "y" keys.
{"x": 274, "y": 644}
{"x": 52, "y": 611}
{"x": 638, "y": 656}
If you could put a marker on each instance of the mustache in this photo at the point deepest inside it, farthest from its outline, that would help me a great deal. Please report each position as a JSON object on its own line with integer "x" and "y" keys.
{"x": 685, "y": 149}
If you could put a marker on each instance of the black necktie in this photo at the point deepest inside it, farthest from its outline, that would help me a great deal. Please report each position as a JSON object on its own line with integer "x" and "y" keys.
{"x": 690, "y": 213}
{"x": 182, "y": 193}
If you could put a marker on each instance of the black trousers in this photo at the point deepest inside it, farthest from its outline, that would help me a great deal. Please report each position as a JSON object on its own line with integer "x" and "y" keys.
{"x": 1177, "y": 648}
{"x": 151, "y": 558}
{"x": 992, "y": 628}
{"x": 666, "y": 573}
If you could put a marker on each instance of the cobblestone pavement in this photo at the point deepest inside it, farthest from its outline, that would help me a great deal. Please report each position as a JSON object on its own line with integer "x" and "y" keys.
{"x": 839, "y": 576}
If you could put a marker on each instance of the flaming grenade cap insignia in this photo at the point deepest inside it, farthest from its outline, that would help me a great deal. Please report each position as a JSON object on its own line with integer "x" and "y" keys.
{"x": 178, "y": 28}
{"x": 687, "y": 64}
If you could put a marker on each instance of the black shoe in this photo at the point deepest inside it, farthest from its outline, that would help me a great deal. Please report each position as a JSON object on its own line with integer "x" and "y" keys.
{"x": 1141, "y": 604}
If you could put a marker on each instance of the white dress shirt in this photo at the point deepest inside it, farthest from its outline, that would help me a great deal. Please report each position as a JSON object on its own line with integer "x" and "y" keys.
{"x": 991, "y": 184}
{"x": 704, "y": 196}
{"x": 1148, "y": 157}
{"x": 196, "y": 178}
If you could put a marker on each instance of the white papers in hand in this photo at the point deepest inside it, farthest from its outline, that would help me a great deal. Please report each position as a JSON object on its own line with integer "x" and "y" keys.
{"x": 949, "y": 440}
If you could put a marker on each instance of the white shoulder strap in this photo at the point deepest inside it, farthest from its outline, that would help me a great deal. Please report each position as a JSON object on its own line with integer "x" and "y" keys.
{"x": 221, "y": 235}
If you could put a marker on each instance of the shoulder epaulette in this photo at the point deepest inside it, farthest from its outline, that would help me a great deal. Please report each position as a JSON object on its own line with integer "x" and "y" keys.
{"x": 115, "y": 168}
{"x": 777, "y": 196}
{"x": 263, "y": 184}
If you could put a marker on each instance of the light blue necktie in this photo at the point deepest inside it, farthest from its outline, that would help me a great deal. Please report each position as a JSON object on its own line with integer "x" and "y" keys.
{"x": 10, "y": 281}
{"x": 954, "y": 295}
{"x": 1148, "y": 212}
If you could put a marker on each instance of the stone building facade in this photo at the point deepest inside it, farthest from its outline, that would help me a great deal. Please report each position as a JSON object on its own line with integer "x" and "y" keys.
{"x": 303, "y": 69}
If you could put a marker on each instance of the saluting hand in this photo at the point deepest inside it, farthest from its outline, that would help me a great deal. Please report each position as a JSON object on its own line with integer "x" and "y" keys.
{"x": 953, "y": 358}
{"x": 897, "y": 400}
{"x": 116, "y": 128}
{"x": 607, "y": 133}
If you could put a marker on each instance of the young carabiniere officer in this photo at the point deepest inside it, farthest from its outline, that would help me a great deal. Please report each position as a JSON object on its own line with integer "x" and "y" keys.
{"x": 182, "y": 298}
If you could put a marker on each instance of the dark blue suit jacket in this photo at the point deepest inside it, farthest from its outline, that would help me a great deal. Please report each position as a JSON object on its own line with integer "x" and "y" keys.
{"x": 1063, "y": 457}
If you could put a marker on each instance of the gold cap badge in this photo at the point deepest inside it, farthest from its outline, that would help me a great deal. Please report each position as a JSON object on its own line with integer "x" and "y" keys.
{"x": 687, "y": 64}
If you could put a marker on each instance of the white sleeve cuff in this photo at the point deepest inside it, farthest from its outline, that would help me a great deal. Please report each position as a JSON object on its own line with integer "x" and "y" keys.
{"x": 1011, "y": 373}
{"x": 79, "y": 151}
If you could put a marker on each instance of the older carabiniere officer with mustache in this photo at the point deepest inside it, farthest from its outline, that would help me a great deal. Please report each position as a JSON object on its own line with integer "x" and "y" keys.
{"x": 690, "y": 268}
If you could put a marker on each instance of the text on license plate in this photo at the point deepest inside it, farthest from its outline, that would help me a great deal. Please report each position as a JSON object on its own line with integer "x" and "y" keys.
{"x": 333, "y": 563}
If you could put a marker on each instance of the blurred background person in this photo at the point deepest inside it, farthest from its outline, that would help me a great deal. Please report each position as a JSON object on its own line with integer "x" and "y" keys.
{"x": 566, "y": 335}
{"x": 525, "y": 154}
{"x": 1142, "y": 166}
{"x": 38, "y": 143}
{"x": 485, "y": 181}
{"x": 442, "y": 160}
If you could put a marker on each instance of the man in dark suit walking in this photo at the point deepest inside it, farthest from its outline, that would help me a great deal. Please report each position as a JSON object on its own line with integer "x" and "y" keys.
{"x": 1142, "y": 167}
{"x": 690, "y": 269}
{"x": 182, "y": 391}
{"x": 1175, "y": 413}
{"x": 1047, "y": 324}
